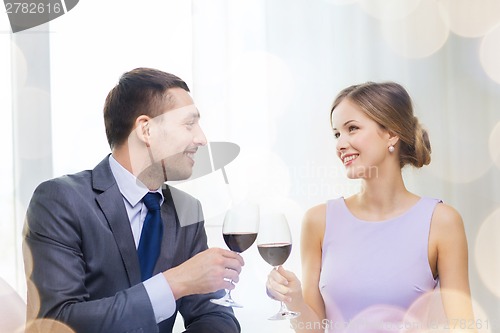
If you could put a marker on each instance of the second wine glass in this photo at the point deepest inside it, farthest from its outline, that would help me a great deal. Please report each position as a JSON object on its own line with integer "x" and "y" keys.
{"x": 239, "y": 230}
{"x": 275, "y": 245}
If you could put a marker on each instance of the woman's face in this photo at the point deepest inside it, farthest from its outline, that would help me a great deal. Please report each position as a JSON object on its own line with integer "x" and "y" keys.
{"x": 362, "y": 145}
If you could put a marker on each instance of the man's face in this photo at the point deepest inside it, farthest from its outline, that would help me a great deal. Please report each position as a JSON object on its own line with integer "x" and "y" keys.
{"x": 174, "y": 137}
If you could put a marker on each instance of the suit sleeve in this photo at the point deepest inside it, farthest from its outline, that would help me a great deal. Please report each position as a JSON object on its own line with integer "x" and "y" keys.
{"x": 200, "y": 315}
{"x": 56, "y": 269}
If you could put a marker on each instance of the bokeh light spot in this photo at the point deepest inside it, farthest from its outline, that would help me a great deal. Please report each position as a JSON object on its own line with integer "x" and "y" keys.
{"x": 495, "y": 145}
{"x": 12, "y": 309}
{"x": 377, "y": 319}
{"x": 427, "y": 314}
{"x": 47, "y": 326}
{"x": 19, "y": 63}
{"x": 452, "y": 151}
{"x": 389, "y": 9}
{"x": 419, "y": 34}
{"x": 487, "y": 252}
{"x": 471, "y": 18}
{"x": 489, "y": 53}
{"x": 341, "y": 2}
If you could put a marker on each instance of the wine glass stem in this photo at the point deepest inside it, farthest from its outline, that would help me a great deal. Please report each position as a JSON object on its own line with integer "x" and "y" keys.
{"x": 283, "y": 308}
{"x": 228, "y": 293}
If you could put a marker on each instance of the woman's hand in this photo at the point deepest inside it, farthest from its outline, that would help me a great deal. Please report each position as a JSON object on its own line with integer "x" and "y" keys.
{"x": 283, "y": 285}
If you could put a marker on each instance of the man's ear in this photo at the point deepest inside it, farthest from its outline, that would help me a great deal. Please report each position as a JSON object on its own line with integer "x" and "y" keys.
{"x": 142, "y": 129}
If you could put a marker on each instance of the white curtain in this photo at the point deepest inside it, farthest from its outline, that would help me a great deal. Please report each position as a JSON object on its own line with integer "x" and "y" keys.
{"x": 263, "y": 75}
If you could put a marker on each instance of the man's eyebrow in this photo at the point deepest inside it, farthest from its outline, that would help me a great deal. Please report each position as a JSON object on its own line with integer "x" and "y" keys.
{"x": 193, "y": 114}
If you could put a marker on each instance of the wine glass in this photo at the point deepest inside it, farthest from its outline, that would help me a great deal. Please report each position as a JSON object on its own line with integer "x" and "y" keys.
{"x": 239, "y": 230}
{"x": 275, "y": 245}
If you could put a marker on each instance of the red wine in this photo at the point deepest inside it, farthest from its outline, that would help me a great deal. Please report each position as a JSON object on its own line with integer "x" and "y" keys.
{"x": 275, "y": 253}
{"x": 239, "y": 241}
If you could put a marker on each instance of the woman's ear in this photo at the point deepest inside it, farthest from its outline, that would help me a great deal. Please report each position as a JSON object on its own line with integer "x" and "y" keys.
{"x": 393, "y": 138}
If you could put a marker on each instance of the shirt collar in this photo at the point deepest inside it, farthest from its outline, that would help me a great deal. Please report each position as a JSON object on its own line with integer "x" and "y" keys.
{"x": 131, "y": 188}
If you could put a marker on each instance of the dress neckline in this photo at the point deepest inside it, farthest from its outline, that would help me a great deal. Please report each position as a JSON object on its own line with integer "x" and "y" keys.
{"x": 354, "y": 217}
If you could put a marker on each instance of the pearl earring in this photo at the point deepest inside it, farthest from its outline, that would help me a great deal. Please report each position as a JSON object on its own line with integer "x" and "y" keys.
{"x": 391, "y": 149}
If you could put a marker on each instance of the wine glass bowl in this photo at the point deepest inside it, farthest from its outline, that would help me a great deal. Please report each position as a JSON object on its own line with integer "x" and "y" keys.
{"x": 239, "y": 241}
{"x": 275, "y": 254}
{"x": 275, "y": 245}
{"x": 239, "y": 231}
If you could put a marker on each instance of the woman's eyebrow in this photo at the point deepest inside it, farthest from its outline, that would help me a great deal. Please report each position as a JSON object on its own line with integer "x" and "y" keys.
{"x": 345, "y": 124}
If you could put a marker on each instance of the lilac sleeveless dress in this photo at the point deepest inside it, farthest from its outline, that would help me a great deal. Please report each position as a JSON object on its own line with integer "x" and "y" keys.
{"x": 377, "y": 267}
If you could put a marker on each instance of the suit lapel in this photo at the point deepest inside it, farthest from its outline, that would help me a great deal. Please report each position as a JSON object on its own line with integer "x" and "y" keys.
{"x": 111, "y": 203}
{"x": 168, "y": 215}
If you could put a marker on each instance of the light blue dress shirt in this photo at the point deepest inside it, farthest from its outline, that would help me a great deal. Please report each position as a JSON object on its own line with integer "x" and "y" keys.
{"x": 133, "y": 190}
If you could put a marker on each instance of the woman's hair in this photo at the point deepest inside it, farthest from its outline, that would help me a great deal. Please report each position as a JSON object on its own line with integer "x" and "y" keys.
{"x": 389, "y": 105}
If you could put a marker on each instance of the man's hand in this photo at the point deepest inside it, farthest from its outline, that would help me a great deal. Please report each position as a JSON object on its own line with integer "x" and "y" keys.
{"x": 208, "y": 271}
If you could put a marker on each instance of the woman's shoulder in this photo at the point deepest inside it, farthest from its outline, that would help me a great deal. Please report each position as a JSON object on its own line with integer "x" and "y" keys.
{"x": 446, "y": 220}
{"x": 315, "y": 214}
{"x": 313, "y": 228}
{"x": 314, "y": 220}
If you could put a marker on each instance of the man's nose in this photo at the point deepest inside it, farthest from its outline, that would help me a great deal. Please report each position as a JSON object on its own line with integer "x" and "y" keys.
{"x": 199, "y": 137}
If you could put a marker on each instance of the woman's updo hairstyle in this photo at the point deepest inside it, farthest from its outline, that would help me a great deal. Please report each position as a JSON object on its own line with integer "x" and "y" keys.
{"x": 389, "y": 105}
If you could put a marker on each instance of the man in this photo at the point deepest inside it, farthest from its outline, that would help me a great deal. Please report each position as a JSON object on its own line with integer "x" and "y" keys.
{"x": 85, "y": 233}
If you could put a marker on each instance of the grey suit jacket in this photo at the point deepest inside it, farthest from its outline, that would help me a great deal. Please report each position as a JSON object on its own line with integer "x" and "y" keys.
{"x": 81, "y": 261}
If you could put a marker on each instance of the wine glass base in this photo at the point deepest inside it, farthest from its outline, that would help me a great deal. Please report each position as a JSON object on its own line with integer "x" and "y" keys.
{"x": 282, "y": 315}
{"x": 227, "y": 302}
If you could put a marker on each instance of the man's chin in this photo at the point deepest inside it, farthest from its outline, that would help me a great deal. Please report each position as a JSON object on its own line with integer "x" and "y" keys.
{"x": 178, "y": 175}
{"x": 152, "y": 176}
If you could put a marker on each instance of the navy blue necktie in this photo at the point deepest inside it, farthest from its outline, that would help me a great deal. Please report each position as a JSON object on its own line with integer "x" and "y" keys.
{"x": 152, "y": 232}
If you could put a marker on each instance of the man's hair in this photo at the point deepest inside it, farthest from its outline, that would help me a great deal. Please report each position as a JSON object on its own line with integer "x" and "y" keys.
{"x": 142, "y": 91}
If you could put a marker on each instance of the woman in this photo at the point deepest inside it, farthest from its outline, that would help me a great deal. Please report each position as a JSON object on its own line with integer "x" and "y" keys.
{"x": 369, "y": 257}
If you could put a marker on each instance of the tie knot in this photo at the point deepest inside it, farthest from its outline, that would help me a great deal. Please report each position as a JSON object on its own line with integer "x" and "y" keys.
{"x": 152, "y": 200}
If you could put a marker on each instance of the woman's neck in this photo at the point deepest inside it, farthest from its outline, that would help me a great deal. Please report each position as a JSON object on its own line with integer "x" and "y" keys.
{"x": 383, "y": 196}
